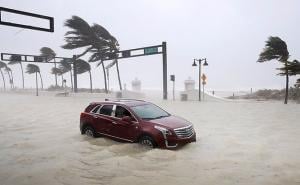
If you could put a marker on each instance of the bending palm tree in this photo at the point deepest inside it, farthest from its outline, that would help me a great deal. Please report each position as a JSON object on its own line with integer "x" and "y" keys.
{"x": 66, "y": 66}
{"x": 50, "y": 54}
{"x": 3, "y": 65}
{"x": 58, "y": 72}
{"x": 16, "y": 59}
{"x": 30, "y": 69}
{"x": 95, "y": 39}
{"x": 10, "y": 76}
{"x": 82, "y": 67}
{"x": 277, "y": 49}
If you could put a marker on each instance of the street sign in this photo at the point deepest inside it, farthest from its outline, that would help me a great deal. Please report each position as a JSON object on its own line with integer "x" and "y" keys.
{"x": 126, "y": 53}
{"x": 172, "y": 78}
{"x": 151, "y": 50}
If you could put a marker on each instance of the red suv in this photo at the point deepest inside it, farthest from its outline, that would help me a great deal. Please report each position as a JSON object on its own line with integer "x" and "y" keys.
{"x": 136, "y": 121}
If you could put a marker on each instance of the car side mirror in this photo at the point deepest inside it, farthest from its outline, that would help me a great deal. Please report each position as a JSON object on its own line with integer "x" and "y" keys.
{"x": 127, "y": 119}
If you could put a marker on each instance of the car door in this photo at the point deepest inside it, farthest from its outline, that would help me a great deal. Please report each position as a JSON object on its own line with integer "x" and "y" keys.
{"x": 103, "y": 119}
{"x": 122, "y": 129}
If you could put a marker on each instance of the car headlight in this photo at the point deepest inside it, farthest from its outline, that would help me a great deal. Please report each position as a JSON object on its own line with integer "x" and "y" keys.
{"x": 163, "y": 130}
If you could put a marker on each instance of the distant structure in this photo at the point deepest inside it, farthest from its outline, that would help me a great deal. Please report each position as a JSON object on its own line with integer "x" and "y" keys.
{"x": 136, "y": 85}
{"x": 189, "y": 84}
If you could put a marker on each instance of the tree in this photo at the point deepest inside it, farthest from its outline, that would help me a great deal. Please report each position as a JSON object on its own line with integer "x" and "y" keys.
{"x": 10, "y": 76}
{"x": 276, "y": 49}
{"x": 3, "y": 65}
{"x": 30, "y": 69}
{"x": 95, "y": 39}
{"x": 66, "y": 66}
{"x": 82, "y": 67}
{"x": 16, "y": 59}
{"x": 59, "y": 72}
{"x": 50, "y": 55}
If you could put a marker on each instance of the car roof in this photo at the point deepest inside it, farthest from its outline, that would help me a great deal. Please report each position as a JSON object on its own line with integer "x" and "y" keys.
{"x": 127, "y": 102}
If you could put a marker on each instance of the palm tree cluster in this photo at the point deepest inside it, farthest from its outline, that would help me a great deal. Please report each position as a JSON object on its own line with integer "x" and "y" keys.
{"x": 95, "y": 40}
{"x": 276, "y": 49}
{"x": 9, "y": 73}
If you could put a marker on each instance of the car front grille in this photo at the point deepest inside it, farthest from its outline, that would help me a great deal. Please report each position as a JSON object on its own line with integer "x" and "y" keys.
{"x": 184, "y": 132}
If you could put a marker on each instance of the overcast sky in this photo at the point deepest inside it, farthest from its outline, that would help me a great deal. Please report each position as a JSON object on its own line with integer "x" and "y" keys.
{"x": 229, "y": 33}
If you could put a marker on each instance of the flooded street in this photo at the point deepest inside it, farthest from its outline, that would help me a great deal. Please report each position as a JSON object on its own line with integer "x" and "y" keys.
{"x": 237, "y": 143}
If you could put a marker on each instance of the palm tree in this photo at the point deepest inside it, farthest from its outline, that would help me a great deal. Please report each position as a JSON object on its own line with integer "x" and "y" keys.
{"x": 66, "y": 66}
{"x": 2, "y": 65}
{"x": 277, "y": 49}
{"x": 59, "y": 72}
{"x": 94, "y": 39}
{"x": 30, "y": 69}
{"x": 50, "y": 55}
{"x": 10, "y": 76}
{"x": 82, "y": 67}
{"x": 16, "y": 59}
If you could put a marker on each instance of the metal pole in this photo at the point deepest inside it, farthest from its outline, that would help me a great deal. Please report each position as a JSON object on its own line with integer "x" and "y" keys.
{"x": 173, "y": 90}
{"x": 75, "y": 73}
{"x": 203, "y": 93}
{"x": 165, "y": 71}
{"x": 199, "y": 79}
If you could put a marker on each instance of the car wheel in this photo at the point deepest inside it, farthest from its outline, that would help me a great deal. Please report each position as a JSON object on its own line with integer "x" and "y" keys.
{"x": 147, "y": 141}
{"x": 89, "y": 131}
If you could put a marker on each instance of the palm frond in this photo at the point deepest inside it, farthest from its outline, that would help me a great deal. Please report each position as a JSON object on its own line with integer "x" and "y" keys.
{"x": 31, "y": 68}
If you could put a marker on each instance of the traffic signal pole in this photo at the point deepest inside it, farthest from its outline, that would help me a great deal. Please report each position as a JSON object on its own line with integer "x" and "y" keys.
{"x": 165, "y": 71}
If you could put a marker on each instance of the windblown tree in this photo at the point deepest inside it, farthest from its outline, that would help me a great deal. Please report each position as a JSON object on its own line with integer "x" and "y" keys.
{"x": 16, "y": 59}
{"x": 94, "y": 39}
{"x": 58, "y": 72}
{"x": 50, "y": 55}
{"x": 31, "y": 69}
{"x": 10, "y": 77}
{"x": 276, "y": 49}
{"x": 66, "y": 66}
{"x": 3, "y": 66}
{"x": 82, "y": 67}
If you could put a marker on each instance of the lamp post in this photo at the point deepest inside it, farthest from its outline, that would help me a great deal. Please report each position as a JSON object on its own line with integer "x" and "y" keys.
{"x": 195, "y": 65}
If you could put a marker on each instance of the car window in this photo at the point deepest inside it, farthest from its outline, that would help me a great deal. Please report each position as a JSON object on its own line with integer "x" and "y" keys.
{"x": 121, "y": 112}
{"x": 95, "y": 110}
{"x": 106, "y": 110}
{"x": 149, "y": 111}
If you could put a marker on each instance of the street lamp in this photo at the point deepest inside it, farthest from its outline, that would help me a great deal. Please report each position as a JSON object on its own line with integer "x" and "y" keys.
{"x": 200, "y": 63}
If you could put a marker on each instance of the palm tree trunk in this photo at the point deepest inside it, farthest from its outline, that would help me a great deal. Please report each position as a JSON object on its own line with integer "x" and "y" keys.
{"x": 3, "y": 79}
{"x": 120, "y": 84}
{"x": 22, "y": 74}
{"x": 9, "y": 77}
{"x": 71, "y": 79}
{"x": 286, "y": 86}
{"x": 36, "y": 85}
{"x": 55, "y": 73}
{"x": 91, "y": 83}
{"x": 41, "y": 81}
{"x": 12, "y": 79}
{"x": 104, "y": 73}
{"x": 108, "y": 82}
{"x": 62, "y": 80}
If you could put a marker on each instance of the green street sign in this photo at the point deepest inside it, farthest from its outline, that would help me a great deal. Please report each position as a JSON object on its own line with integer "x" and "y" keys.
{"x": 150, "y": 50}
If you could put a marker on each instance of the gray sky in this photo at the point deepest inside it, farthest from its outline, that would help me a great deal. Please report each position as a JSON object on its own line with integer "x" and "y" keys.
{"x": 229, "y": 33}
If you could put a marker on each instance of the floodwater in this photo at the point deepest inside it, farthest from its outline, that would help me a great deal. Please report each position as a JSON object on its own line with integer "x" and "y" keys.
{"x": 237, "y": 143}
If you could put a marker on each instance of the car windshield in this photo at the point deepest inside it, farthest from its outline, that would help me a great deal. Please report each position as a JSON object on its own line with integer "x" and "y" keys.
{"x": 149, "y": 111}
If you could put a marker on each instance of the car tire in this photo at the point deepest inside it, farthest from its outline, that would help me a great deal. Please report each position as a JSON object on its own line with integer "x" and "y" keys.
{"x": 89, "y": 131}
{"x": 147, "y": 141}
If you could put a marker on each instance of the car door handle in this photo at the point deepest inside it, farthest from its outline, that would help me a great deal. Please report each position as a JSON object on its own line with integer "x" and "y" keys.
{"x": 115, "y": 123}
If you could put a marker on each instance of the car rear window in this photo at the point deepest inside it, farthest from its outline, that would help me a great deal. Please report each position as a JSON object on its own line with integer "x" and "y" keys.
{"x": 95, "y": 110}
{"x": 106, "y": 110}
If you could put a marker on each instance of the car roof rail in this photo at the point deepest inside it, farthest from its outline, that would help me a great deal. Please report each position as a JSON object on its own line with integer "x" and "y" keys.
{"x": 122, "y": 100}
